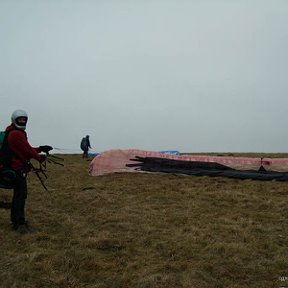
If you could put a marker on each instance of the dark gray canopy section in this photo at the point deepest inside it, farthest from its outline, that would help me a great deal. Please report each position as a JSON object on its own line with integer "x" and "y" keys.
{"x": 153, "y": 164}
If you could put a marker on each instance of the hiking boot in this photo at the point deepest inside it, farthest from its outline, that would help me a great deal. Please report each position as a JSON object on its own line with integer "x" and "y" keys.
{"x": 23, "y": 228}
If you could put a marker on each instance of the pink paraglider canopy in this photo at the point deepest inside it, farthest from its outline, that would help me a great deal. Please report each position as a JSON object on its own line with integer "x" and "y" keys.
{"x": 112, "y": 161}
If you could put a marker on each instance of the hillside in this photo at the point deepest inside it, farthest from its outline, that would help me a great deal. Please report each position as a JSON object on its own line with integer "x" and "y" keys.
{"x": 145, "y": 231}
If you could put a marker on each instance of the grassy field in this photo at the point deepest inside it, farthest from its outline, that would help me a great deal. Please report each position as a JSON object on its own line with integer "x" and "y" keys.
{"x": 146, "y": 231}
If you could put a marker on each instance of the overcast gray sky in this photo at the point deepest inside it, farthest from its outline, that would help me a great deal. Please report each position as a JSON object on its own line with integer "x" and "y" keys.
{"x": 187, "y": 75}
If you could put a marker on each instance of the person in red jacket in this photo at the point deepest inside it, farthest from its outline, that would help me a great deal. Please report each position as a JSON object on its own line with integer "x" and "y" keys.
{"x": 21, "y": 152}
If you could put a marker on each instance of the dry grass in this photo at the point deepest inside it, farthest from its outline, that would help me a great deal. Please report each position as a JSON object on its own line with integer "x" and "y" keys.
{"x": 146, "y": 231}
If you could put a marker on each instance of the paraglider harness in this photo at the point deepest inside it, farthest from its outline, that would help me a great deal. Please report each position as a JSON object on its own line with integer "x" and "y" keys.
{"x": 8, "y": 175}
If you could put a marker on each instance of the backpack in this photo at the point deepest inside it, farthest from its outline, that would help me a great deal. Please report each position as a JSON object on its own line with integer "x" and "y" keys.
{"x": 2, "y": 136}
{"x": 7, "y": 175}
{"x": 3, "y": 150}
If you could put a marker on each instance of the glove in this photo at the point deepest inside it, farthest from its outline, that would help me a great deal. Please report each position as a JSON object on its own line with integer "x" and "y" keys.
{"x": 45, "y": 148}
{"x": 42, "y": 158}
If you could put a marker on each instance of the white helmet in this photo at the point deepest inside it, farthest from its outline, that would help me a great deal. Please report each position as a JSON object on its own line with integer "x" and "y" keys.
{"x": 14, "y": 118}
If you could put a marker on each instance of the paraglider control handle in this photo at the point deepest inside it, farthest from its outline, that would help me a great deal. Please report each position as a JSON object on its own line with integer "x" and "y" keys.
{"x": 45, "y": 148}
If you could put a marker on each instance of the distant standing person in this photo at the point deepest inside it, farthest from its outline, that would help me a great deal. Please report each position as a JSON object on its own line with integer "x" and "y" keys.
{"x": 85, "y": 145}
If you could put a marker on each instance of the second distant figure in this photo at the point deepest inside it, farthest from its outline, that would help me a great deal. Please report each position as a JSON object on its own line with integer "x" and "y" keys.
{"x": 85, "y": 145}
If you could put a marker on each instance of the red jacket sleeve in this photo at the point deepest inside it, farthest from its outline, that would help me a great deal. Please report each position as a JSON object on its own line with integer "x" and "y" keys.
{"x": 18, "y": 143}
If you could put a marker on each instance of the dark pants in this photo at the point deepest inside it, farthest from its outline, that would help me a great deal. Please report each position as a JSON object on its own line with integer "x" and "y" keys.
{"x": 85, "y": 153}
{"x": 18, "y": 200}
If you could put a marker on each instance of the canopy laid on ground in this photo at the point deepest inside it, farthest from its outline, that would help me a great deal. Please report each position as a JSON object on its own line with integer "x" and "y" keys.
{"x": 133, "y": 160}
